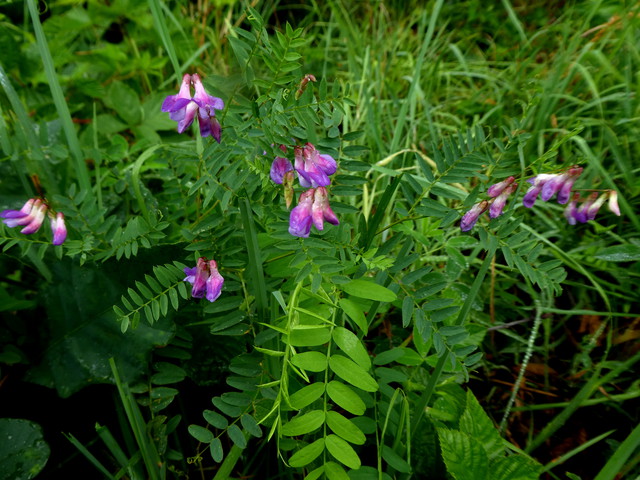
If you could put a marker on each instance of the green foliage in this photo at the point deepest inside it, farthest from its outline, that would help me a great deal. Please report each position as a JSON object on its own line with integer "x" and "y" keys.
{"x": 24, "y": 452}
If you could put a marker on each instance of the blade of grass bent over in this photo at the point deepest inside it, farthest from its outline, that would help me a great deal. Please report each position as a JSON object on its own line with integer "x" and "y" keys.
{"x": 82, "y": 172}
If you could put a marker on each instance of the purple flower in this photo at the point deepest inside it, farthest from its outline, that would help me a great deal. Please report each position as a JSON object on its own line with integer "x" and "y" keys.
{"x": 279, "y": 168}
{"x": 58, "y": 228}
{"x": 301, "y": 216}
{"x": 532, "y": 194}
{"x": 564, "y": 193}
{"x": 205, "y": 278}
{"x": 207, "y": 104}
{"x": 313, "y": 167}
{"x": 182, "y": 107}
{"x": 320, "y": 210}
{"x": 582, "y": 213}
{"x": 571, "y": 210}
{"x": 470, "y": 218}
{"x": 30, "y": 215}
{"x": 497, "y": 205}
{"x": 497, "y": 188}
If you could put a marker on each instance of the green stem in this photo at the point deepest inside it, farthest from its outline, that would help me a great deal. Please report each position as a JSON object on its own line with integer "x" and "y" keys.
{"x": 464, "y": 311}
{"x": 224, "y": 472}
{"x": 255, "y": 260}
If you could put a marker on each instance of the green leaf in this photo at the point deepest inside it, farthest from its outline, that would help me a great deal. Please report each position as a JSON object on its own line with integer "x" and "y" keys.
{"x": 250, "y": 425}
{"x": 168, "y": 373}
{"x": 216, "y": 450}
{"x": 355, "y": 313}
{"x": 23, "y": 451}
{"x": 236, "y": 436}
{"x": 515, "y": 467}
{"x": 351, "y": 372}
{"x": 306, "y": 395}
{"x": 344, "y": 397}
{"x": 124, "y": 100}
{"x": 394, "y": 460}
{"x": 407, "y": 311}
{"x": 369, "y": 290}
{"x": 311, "y": 361}
{"x": 345, "y": 428}
{"x": 620, "y": 253}
{"x": 301, "y": 424}
{"x": 342, "y": 451}
{"x": 200, "y": 433}
{"x": 350, "y": 344}
{"x": 307, "y": 454}
{"x": 334, "y": 471}
{"x": 215, "y": 419}
{"x": 82, "y": 334}
{"x": 464, "y": 456}
{"x": 309, "y": 337}
{"x": 479, "y": 426}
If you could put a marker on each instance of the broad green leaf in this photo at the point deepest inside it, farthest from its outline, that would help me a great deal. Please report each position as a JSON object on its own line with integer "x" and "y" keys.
{"x": 342, "y": 451}
{"x": 215, "y": 419}
{"x": 620, "y": 253}
{"x": 350, "y": 344}
{"x": 464, "y": 456}
{"x": 479, "y": 426}
{"x": 351, "y": 372}
{"x": 369, "y": 290}
{"x": 394, "y": 460}
{"x": 311, "y": 361}
{"x": 168, "y": 373}
{"x": 407, "y": 311}
{"x": 344, "y": 397}
{"x": 307, "y": 454}
{"x": 236, "y": 436}
{"x": 345, "y": 428}
{"x": 124, "y": 100}
{"x": 315, "y": 474}
{"x": 23, "y": 451}
{"x": 216, "y": 450}
{"x": 515, "y": 467}
{"x": 200, "y": 433}
{"x": 309, "y": 337}
{"x": 81, "y": 331}
{"x": 306, "y": 395}
{"x": 355, "y": 313}
{"x": 250, "y": 425}
{"x": 301, "y": 424}
{"x": 334, "y": 471}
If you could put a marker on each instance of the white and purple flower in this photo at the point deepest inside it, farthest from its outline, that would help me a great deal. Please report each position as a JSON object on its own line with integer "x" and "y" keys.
{"x": 58, "y": 228}
{"x": 183, "y": 107}
{"x": 547, "y": 185}
{"x": 205, "y": 278}
{"x": 31, "y": 216}
{"x": 321, "y": 210}
{"x": 470, "y": 218}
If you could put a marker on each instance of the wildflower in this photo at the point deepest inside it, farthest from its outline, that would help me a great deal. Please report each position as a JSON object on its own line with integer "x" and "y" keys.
{"x": 613, "y": 202}
{"x": 207, "y": 104}
{"x": 585, "y": 211}
{"x": 30, "y": 215}
{"x": 313, "y": 167}
{"x": 550, "y": 184}
{"x": 571, "y": 210}
{"x": 320, "y": 210}
{"x": 470, "y": 218}
{"x": 498, "y": 203}
{"x": 497, "y": 188}
{"x": 279, "y": 168}
{"x": 58, "y": 228}
{"x": 182, "y": 107}
{"x": 301, "y": 216}
{"x": 205, "y": 278}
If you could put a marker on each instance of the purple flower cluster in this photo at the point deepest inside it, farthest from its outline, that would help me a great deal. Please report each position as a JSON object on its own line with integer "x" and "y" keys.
{"x": 547, "y": 185}
{"x": 313, "y": 170}
{"x": 31, "y": 216}
{"x": 590, "y": 206}
{"x": 183, "y": 107}
{"x": 205, "y": 278}
{"x": 498, "y": 194}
